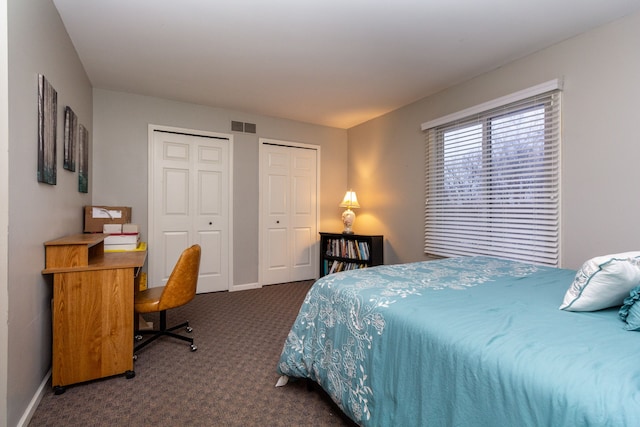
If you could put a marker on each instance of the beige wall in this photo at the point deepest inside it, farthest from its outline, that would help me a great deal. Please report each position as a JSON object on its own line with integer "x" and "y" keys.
{"x": 121, "y": 156}
{"x": 600, "y": 150}
{"x": 37, "y": 44}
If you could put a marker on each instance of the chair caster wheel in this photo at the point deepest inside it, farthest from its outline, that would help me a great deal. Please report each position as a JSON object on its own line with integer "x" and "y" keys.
{"x": 129, "y": 374}
{"x": 193, "y": 347}
{"x": 57, "y": 390}
{"x": 189, "y": 329}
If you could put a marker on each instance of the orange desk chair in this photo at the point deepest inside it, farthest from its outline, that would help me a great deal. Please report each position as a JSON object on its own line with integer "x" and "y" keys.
{"x": 179, "y": 290}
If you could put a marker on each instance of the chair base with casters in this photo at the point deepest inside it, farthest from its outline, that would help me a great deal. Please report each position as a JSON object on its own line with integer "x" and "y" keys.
{"x": 164, "y": 331}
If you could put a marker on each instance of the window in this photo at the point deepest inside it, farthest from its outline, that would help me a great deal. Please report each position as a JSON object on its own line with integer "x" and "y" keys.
{"x": 492, "y": 182}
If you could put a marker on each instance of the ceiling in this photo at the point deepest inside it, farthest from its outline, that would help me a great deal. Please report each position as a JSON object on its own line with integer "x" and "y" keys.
{"x": 330, "y": 62}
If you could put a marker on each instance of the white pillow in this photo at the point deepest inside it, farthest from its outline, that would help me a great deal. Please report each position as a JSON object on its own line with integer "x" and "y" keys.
{"x": 603, "y": 282}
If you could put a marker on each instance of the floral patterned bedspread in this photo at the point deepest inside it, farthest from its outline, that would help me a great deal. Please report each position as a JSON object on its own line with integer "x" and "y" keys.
{"x": 464, "y": 342}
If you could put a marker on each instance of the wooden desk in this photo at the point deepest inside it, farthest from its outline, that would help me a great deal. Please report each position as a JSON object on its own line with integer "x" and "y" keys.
{"x": 92, "y": 312}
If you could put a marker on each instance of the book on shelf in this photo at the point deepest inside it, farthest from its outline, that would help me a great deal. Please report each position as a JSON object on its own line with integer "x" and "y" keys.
{"x": 364, "y": 251}
{"x": 357, "y": 249}
{"x": 338, "y": 266}
{"x": 347, "y": 248}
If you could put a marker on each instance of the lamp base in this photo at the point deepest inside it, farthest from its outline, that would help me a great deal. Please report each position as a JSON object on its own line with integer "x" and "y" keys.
{"x": 348, "y": 218}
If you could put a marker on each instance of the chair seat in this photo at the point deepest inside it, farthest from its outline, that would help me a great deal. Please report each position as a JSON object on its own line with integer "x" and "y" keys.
{"x": 148, "y": 301}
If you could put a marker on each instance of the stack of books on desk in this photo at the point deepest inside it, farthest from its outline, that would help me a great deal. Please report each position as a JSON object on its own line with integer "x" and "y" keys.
{"x": 121, "y": 237}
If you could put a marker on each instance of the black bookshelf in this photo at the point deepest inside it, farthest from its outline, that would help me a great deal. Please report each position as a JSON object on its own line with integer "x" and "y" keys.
{"x": 341, "y": 252}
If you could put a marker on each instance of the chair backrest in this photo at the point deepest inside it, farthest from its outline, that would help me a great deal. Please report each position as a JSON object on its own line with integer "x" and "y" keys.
{"x": 182, "y": 284}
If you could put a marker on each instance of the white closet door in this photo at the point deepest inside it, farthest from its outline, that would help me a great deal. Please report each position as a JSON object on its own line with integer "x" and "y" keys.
{"x": 190, "y": 204}
{"x": 288, "y": 228}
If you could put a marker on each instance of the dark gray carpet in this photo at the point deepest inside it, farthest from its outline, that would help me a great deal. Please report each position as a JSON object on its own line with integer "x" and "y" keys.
{"x": 229, "y": 381}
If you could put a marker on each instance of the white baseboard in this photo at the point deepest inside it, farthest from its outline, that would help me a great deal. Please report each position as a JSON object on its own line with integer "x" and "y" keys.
{"x": 244, "y": 287}
{"x": 35, "y": 401}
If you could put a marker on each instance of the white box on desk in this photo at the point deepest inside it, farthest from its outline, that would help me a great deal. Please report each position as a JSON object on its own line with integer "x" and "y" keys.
{"x": 112, "y": 228}
{"x": 121, "y": 247}
{"x": 130, "y": 228}
{"x": 122, "y": 239}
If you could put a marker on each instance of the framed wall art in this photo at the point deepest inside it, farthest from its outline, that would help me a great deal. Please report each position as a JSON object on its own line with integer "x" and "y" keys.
{"x": 83, "y": 159}
{"x": 47, "y": 131}
{"x": 70, "y": 139}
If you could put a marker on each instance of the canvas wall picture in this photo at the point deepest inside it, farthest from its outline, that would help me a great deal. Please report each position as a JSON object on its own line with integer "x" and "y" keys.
{"x": 70, "y": 139}
{"x": 47, "y": 131}
{"x": 83, "y": 159}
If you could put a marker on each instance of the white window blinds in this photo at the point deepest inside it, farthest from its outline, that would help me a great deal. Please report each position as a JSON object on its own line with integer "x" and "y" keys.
{"x": 492, "y": 183}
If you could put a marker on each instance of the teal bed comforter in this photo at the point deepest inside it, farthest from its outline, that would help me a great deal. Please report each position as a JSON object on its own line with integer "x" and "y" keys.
{"x": 464, "y": 342}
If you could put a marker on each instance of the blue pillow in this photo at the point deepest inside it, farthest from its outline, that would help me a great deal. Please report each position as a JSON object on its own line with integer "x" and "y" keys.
{"x": 630, "y": 311}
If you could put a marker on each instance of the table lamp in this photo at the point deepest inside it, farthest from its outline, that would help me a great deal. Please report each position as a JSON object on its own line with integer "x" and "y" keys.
{"x": 348, "y": 216}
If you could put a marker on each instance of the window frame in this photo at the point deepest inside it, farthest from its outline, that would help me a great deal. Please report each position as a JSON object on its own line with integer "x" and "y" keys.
{"x": 543, "y": 186}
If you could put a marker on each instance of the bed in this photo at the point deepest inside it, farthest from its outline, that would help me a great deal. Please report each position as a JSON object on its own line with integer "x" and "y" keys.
{"x": 471, "y": 341}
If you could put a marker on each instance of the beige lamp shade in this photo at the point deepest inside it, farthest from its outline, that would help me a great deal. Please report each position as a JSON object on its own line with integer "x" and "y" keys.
{"x": 350, "y": 200}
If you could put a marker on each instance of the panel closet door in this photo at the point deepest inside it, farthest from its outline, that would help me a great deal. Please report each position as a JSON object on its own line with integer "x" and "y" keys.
{"x": 288, "y": 204}
{"x": 190, "y": 204}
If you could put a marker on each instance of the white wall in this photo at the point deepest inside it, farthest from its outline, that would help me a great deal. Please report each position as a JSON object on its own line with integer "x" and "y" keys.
{"x": 37, "y": 44}
{"x": 600, "y": 149}
{"x": 121, "y": 156}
